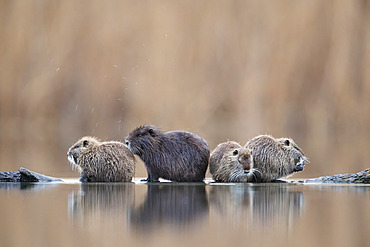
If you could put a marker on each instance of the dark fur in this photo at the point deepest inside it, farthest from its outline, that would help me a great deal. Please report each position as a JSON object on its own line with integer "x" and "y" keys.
{"x": 176, "y": 155}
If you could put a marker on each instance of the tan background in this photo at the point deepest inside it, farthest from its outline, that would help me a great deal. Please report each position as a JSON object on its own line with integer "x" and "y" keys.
{"x": 224, "y": 70}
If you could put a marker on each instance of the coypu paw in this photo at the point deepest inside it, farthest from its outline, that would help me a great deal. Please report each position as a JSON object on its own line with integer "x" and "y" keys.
{"x": 278, "y": 181}
{"x": 149, "y": 180}
{"x": 84, "y": 179}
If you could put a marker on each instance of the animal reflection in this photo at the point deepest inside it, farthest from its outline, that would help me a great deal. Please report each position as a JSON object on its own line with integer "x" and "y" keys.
{"x": 257, "y": 204}
{"x": 102, "y": 201}
{"x": 170, "y": 203}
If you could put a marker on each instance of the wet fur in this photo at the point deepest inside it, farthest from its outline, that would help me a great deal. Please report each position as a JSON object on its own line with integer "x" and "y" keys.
{"x": 102, "y": 161}
{"x": 232, "y": 163}
{"x": 275, "y": 158}
{"x": 176, "y": 155}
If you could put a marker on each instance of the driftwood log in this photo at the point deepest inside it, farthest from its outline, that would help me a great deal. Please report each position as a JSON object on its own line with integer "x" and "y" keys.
{"x": 362, "y": 177}
{"x": 25, "y": 175}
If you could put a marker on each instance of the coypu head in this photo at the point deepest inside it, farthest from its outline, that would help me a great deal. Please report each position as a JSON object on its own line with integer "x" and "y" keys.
{"x": 228, "y": 159}
{"x": 296, "y": 157}
{"x": 143, "y": 140}
{"x": 79, "y": 148}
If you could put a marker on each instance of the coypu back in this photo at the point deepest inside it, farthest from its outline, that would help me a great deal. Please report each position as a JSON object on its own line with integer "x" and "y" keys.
{"x": 178, "y": 156}
{"x": 102, "y": 161}
{"x": 230, "y": 162}
{"x": 276, "y": 158}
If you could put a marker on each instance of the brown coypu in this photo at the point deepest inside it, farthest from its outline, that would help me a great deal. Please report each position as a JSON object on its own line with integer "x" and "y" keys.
{"x": 275, "y": 158}
{"x": 175, "y": 155}
{"x": 230, "y": 162}
{"x": 102, "y": 161}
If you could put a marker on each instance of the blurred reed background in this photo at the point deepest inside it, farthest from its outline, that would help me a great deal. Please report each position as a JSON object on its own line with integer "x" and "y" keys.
{"x": 226, "y": 70}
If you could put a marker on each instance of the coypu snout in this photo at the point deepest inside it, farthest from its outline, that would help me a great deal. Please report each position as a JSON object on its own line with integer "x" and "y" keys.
{"x": 300, "y": 164}
{"x": 127, "y": 144}
{"x": 72, "y": 158}
{"x": 245, "y": 158}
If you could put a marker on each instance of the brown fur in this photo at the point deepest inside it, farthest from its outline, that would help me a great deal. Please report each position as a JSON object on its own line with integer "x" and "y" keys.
{"x": 230, "y": 162}
{"x": 275, "y": 158}
{"x": 102, "y": 161}
{"x": 175, "y": 155}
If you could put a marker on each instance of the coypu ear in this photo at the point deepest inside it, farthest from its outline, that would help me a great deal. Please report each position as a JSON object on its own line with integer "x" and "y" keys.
{"x": 85, "y": 143}
{"x": 151, "y": 132}
{"x": 287, "y": 142}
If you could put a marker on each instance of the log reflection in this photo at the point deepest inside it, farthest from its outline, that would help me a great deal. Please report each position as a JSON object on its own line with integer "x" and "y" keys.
{"x": 26, "y": 186}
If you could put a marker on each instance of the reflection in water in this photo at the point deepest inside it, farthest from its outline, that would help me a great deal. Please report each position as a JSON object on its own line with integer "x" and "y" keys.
{"x": 171, "y": 203}
{"x": 109, "y": 200}
{"x": 26, "y": 186}
{"x": 259, "y": 204}
{"x": 360, "y": 189}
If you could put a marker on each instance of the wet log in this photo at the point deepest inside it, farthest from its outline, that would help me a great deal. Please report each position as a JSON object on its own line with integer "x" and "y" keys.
{"x": 362, "y": 177}
{"x": 25, "y": 175}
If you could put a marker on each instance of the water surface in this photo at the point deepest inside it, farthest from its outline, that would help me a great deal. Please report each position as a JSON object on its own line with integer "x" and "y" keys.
{"x": 168, "y": 214}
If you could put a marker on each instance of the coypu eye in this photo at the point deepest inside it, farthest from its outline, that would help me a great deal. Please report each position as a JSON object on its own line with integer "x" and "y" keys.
{"x": 85, "y": 143}
{"x": 151, "y": 132}
{"x": 287, "y": 142}
{"x": 235, "y": 152}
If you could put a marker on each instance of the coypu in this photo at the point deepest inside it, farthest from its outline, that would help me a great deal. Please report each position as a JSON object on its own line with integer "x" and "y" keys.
{"x": 175, "y": 155}
{"x": 230, "y": 162}
{"x": 275, "y": 158}
{"x": 102, "y": 161}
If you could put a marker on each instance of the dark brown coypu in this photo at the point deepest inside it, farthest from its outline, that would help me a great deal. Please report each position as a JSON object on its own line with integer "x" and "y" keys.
{"x": 175, "y": 155}
{"x": 231, "y": 163}
{"x": 102, "y": 161}
{"x": 275, "y": 158}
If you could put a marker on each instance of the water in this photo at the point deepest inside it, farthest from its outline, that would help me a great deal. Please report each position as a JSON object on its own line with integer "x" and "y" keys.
{"x": 173, "y": 214}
